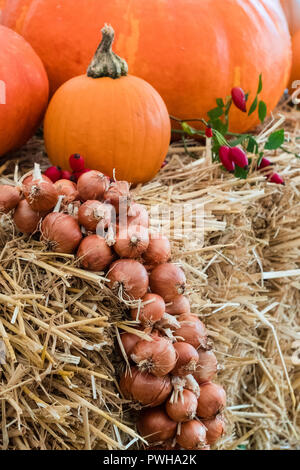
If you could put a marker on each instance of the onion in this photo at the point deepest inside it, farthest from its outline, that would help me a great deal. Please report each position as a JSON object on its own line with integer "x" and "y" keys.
{"x": 206, "y": 367}
{"x": 68, "y": 189}
{"x": 192, "y": 435}
{"x": 159, "y": 250}
{"x": 157, "y": 357}
{"x": 25, "y": 218}
{"x": 156, "y": 426}
{"x": 192, "y": 385}
{"x": 215, "y": 428}
{"x": 92, "y": 185}
{"x": 180, "y": 305}
{"x": 72, "y": 209}
{"x": 41, "y": 195}
{"x": 61, "y": 232}
{"x": 168, "y": 281}
{"x": 184, "y": 409}
{"x": 129, "y": 340}
{"x": 145, "y": 388}
{"x": 131, "y": 241}
{"x": 212, "y": 400}
{"x": 118, "y": 195}
{"x": 94, "y": 253}
{"x": 151, "y": 310}
{"x": 192, "y": 330}
{"x": 91, "y": 213}
{"x": 187, "y": 359}
{"x": 128, "y": 277}
{"x": 10, "y": 196}
{"x": 28, "y": 179}
{"x": 138, "y": 215}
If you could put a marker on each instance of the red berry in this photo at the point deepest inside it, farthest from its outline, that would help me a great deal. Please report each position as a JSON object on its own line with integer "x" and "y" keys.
{"x": 53, "y": 173}
{"x": 264, "y": 163}
{"x": 208, "y": 132}
{"x": 275, "y": 178}
{"x": 76, "y": 162}
{"x": 239, "y": 98}
{"x": 77, "y": 174}
{"x": 65, "y": 175}
{"x": 225, "y": 159}
{"x": 164, "y": 164}
{"x": 239, "y": 157}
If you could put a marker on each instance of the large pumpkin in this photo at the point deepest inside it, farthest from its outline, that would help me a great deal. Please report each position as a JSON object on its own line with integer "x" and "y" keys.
{"x": 23, "y": 90}
{"x": 115, "y": 120}
{"x": 191, "y": 51}
{"x": 295, "y": 75}
{"x": 292, "y": 11}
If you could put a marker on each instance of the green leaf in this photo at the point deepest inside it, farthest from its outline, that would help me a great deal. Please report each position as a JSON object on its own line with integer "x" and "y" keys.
{"x": 262, "y": 111}
{"x": 219, "y": 125}
{"x": 220, "y": 139}
{"x": 252, "y": 145}
{"x": 220, "y": 103}
{"x": 188, "y": 129}
{"x": 261, "y": 156}
{"x": 260, "y": 85}
{"x": 215, "y": 113}
{"x": 241, "y": 173}
{"x": 275, "y": 140}
{"x": 246, "y": 96}
{"x": 253, "y": 107}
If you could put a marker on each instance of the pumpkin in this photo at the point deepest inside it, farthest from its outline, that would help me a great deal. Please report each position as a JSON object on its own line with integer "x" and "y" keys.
{"x": 295, "y": 75}
{"x": 115, "y": 120}
{"x": 23, "y": 90}
{"x": 190, "y": 51}
{"x": 292, "y": 12}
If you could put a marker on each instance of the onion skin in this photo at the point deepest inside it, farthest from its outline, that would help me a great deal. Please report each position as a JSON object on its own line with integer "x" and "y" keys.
{"x": 91, "y": 213}
{"x": 68, "y": 189}
{"x": 26, "y": 181}
{"x": 41, "y": 195}
{"x": 92, "y": 185}
{"x": 137, "y": 215}
{"x": 25, "y": 219}
{"x": 94, "y": 253}
{"x": 156, "y": 426}
{"x": 10, "y": 197}
{"x": 192, "y": 331}
{"x": 129, "y": 340}
{"x": 157, "y": 357}
{"x": 215, "y": 429}
{"x": 118, "y": 196}
{"x": 207, "y": 366}
{"x": 159, "y": 250}
{"x": 192, "y": 435}
{"x": 184, "y": 409}
{"x": 151, "y": 312}
{"x": 168, "y": 281}
{"x": 131, "y": 276}
{"x": 212, "y": 400}
{"x": 61, "y": 232}
{"x": 145, "y": 388}
{"x": 132, "y": 241}
{"x": 187, "y": 359}
{"x": 180, "y": 305}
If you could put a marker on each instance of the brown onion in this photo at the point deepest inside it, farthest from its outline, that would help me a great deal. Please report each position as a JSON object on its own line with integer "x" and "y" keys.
{"x": 91, "y": 213}
{"x": 131, "y": 241}
{"x": 72, "y": 209}
{"x": 206, "y": 367}
{"x": 28, "y": 179}
{"x": 151, "y": 310}
{"x": 159, "y": 250}
{"x": 128, "y": 278}
{"x": 68, "y": 189}
{"x": 215, "y": 428}
{"x": 138, "y": 215}
{"x": 92, "y": 185}
{"x": 192, "y": 435}
{"x": 145, "y": 388}
{"x": 10, "y": 197}
{"x": 61, "y": 232}
{"x": 119, "y": 196}
{"x": 212, "y": 400}
{"x": 168, "y": 281}
{"x": 192, "y": 330}
{"x": 192, "y": 385}
{"x": 129, "y": 340}
{"x": 180, "y": 305}
{"x": 187, "y": 359}
{"x": 184, "y": 408}
{"x": 156, "y": 426}
{"x": 40, "y": 194}
{"x": 157, "y": 357}
{"x": 94, "y": 253}
{"x": 25, "y": 218}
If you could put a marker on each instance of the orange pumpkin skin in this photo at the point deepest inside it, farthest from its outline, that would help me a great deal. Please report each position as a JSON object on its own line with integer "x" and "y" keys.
{"x": 295, "y": 75}
{"x": 24, "y": 90}
{"x": 122, "y": 124}
{"x": 190, "y": 51}
{"x": 292, "y": 12}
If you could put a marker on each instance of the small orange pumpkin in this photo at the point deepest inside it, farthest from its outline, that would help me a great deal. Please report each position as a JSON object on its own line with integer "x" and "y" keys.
{"x": 295, "y": 74}
{"x": 116, "y": 121}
